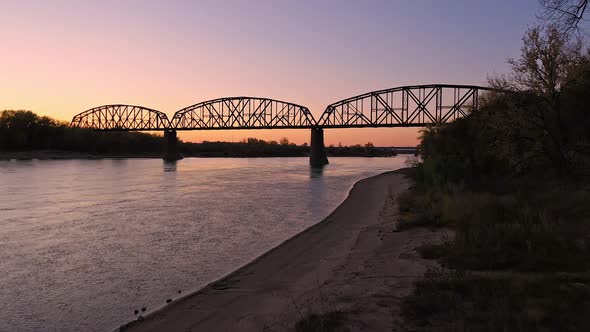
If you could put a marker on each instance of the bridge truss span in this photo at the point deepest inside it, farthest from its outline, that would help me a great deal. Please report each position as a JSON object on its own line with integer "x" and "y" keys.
{"x": 121, "y": 117}
{"x": 242, "y": 113}
{"x": 408, "y": 106}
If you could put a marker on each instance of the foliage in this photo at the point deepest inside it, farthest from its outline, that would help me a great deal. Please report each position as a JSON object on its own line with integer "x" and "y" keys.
{"x": 250, "y": 147}
{"x": 421, "y": 207}
{"x": 549, "y": 59}
{"x": 510, "y": 180}
{"x": 551, "y": 64}
{"x": 24, "y": 130}
{"x": 506, "y": 232}
{"x": 368, "y": 150}
{"x": 452, "y": 301}
{"x": 540, "y": 126}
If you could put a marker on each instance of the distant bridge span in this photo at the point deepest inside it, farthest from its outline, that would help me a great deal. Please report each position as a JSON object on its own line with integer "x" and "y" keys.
{"x": 407, "y": 106}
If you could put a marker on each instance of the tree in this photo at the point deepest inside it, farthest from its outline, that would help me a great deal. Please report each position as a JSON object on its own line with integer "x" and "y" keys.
{"x": 284, "y": 141}
{"x": 550, "y": 59}
{"x": 566, "y": 14}
{"x": 370, "y": 149}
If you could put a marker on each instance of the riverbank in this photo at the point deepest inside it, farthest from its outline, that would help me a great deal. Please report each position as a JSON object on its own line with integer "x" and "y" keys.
{"x": 353, "y": 264}
{"x": 517, "y": 260}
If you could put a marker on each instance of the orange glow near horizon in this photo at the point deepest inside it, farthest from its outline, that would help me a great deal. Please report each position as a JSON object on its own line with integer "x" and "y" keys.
{"x": 69, "y": 56}
{"x": 378, "y": 136}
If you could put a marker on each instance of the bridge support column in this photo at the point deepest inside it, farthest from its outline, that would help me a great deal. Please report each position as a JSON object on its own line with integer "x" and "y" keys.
{"x": 317, "y": 153}
{"x": 171, "y": 146}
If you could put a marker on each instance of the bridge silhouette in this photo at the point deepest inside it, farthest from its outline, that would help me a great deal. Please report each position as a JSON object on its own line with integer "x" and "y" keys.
{"x": 406, "y": 106}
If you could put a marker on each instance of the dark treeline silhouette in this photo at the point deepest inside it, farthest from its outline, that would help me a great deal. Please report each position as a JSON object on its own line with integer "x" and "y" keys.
{"x": 544, "y": 125}
{"x": 368, "y": 150}
{"x": 26, "y": 131}
{"x": 511, "y": 182}
{"x": 253, "y": 147}
{"x": 250, "y": 147}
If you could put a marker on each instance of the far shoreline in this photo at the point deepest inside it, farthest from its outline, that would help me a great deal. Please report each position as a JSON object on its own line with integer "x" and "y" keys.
{"x": 71, "y": 155}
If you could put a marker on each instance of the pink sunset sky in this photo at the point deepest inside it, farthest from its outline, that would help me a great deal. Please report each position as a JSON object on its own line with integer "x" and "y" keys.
{"x": 59, "y": 58}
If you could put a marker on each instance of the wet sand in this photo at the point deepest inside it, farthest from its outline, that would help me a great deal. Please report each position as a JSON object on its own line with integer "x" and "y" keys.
{"x": 354, "y": 261}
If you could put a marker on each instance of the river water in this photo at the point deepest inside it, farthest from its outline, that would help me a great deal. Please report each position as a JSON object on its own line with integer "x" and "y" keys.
{"x": 83, "y": 243}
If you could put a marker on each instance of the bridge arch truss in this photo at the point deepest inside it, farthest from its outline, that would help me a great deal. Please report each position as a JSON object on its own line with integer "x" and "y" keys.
{"x": 242, "y": 113}
{"x": 408, "y": 106}
{"x": 119, "y": 117}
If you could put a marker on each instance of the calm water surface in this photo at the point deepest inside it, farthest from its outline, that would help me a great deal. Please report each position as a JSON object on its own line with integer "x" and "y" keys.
{"x": 85, "y": 242}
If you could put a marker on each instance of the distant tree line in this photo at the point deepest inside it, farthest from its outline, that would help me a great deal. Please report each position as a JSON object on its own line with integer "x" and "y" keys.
{"x": 26, "y": 131}
{"x": 250, "y": 147}
{"x": 368, "y": 150}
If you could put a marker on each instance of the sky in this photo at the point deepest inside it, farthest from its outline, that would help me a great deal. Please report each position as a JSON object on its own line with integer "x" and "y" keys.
{"x": 62, "y": 57}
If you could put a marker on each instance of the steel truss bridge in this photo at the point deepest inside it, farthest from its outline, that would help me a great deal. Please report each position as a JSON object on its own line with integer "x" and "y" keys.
{"x": 407, "y": 106}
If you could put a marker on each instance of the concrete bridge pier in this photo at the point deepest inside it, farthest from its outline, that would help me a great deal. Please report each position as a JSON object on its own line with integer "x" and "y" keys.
{"x": 317, "y": 153}
{"x": 171, "y": 146}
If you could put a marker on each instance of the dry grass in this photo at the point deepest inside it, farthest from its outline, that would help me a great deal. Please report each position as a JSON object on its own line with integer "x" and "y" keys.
{"x": 451, "y": 301}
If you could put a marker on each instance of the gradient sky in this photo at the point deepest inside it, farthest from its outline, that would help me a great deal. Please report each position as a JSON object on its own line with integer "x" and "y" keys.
{"x": 61, "y": 57}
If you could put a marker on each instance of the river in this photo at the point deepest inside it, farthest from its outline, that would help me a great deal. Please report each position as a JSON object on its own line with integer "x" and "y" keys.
{"x": 84, "y": 243}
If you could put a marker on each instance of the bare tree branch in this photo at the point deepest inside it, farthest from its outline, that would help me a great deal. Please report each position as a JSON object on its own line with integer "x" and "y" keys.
{"x": 566, "y": 14}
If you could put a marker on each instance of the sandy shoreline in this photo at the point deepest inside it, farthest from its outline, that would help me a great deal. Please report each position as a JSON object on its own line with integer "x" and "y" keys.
{"x": 353, "y": 261}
